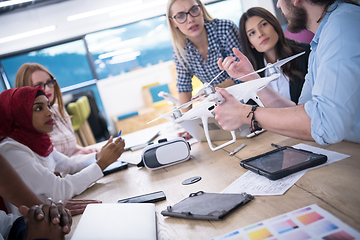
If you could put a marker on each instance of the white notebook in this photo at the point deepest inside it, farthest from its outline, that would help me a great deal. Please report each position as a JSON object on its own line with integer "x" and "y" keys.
{"x": 118, "y": 221}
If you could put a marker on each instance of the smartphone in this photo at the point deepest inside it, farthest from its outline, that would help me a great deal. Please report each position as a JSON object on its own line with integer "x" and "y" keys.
{"x": 146, "y": 198}
{"x": 115, "y": 167}
{"x": 282, "y": 162}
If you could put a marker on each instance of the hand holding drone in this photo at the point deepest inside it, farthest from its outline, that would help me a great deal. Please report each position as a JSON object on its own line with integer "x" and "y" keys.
{"x": 242, "y": 92}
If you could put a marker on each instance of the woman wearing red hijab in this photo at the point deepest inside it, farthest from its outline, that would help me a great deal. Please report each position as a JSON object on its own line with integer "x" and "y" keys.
{"x": 24, "y": 141}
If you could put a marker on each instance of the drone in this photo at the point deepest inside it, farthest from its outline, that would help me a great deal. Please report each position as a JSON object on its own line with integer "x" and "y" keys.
{"x": 210, "y": 98}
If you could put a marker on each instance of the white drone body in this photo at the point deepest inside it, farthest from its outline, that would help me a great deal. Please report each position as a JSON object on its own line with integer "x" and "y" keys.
{"x": 242, "y": 92}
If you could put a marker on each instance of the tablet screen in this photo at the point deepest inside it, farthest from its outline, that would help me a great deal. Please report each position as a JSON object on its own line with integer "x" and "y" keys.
{"x": 279, "y": 160}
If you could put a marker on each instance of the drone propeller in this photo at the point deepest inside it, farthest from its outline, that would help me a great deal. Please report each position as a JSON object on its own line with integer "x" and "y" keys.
{"x": 185, "y": 105}
{"x": 201, "y": 91}
{"x": 276, "y": 65}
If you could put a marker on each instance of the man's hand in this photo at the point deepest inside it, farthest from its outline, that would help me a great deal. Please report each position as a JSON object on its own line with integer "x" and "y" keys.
{"x": 237, "y": 69}
{"x": 231, "y": 114}
{"x": 49, "y": 220}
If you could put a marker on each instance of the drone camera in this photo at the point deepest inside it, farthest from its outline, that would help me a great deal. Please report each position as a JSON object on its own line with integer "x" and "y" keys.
{"x": 209, "y": 90}
{"x": 176, "y": 114}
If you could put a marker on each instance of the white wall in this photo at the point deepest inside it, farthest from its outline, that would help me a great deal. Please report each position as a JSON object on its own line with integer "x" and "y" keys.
{"x": 115, "y": 94}
{"x": 268, "y": 4}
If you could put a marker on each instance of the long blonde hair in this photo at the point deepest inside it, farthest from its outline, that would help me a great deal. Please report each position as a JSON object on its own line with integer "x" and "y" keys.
{"x": 24, "y": 78}
{"x": 178, "y": 38}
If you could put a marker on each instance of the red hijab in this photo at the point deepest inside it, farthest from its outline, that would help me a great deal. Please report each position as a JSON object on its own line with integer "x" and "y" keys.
{"x": 16, "y": 107}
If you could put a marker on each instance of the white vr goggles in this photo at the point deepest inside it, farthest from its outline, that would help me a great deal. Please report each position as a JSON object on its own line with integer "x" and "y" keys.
{"x": 165, "y": 153}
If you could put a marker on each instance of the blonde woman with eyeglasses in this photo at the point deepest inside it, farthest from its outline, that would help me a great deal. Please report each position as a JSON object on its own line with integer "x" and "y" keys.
{"x": 63, "y": 136}
{"x": 199, "y": 41}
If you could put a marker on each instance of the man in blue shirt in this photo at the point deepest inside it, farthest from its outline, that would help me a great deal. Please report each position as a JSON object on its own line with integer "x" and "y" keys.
{"x": 329, "y": 106}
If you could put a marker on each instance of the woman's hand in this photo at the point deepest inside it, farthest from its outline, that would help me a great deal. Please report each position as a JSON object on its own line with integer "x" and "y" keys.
{"x": 237, "y": 69}
{"x": 77, "y": 206}
{"x": 110, "y": 152}
{"x": 83, "y": 150}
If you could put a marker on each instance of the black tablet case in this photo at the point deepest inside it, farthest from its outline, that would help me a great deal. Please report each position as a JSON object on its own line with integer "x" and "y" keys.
{"x": 316, "y": 159}
{"x": 207, "y": 206}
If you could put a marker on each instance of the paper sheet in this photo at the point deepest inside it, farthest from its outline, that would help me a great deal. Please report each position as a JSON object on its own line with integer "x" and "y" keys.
{"x": 257, "y": 185}
{"x": 311, "y": 222}
{"x": 131, "y": 157}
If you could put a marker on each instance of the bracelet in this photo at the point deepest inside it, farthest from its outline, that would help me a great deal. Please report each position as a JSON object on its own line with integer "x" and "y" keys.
{"x": 254, "y": 124}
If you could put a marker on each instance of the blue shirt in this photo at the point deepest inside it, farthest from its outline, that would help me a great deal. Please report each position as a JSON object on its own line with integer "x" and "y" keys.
{"x": 223, "y": 36}
{"x": 331, "y": 92}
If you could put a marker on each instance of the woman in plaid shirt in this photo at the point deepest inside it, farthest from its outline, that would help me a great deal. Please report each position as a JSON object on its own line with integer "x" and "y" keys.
{"x": 199, "y": 42}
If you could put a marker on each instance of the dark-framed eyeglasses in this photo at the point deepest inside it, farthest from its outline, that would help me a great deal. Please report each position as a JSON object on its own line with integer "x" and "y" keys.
{"x": 181, "y": 17}
{"x": 50, "y": 84}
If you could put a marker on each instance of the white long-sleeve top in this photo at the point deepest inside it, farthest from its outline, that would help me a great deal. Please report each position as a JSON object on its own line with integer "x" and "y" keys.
{"x": 38, "y": 172}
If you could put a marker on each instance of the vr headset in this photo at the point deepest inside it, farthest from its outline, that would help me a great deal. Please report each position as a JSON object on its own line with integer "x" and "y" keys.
{"x": 165, "y": 153}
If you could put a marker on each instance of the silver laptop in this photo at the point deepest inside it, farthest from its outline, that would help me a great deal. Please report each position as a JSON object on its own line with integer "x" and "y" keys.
{"x": 118, "y": 221}
{"x": 196, "y": 129}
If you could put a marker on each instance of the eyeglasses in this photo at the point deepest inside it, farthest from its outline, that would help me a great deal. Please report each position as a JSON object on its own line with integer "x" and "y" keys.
{"x": 50, "y": 83}
{"x": 181, "y": 17}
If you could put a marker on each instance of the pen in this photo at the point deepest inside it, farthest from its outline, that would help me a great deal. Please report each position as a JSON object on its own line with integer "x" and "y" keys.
{"x": 237, "y": 149}
{"x": 275, "y": 145}
{"x": 136, "y": 147}
{"x": 120, "y": 133}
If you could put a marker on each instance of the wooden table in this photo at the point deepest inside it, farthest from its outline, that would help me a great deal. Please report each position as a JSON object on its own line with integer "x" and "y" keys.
{"x": 334, "y": 187}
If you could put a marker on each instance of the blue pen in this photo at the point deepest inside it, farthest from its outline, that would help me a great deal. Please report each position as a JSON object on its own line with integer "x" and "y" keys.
{"x": 120, "y": 133}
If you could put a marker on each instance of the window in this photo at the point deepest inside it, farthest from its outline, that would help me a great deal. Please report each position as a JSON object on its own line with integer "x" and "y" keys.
{"x": 67, "y": 62}
{"x": 111, "y": 52}
{"x": 229, "y": 9}
{"x": 143, "y": 43}
{"x": 2, "y": 88}
{"x": 128, "y": 47}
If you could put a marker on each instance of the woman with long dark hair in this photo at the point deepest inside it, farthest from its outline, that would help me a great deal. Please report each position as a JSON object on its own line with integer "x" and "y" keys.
{"x": 263, "y": 41}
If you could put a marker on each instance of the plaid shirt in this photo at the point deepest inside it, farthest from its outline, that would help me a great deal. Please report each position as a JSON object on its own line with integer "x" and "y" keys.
{"x": 62, "y": 136}
{"x": 223, "y": 35}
